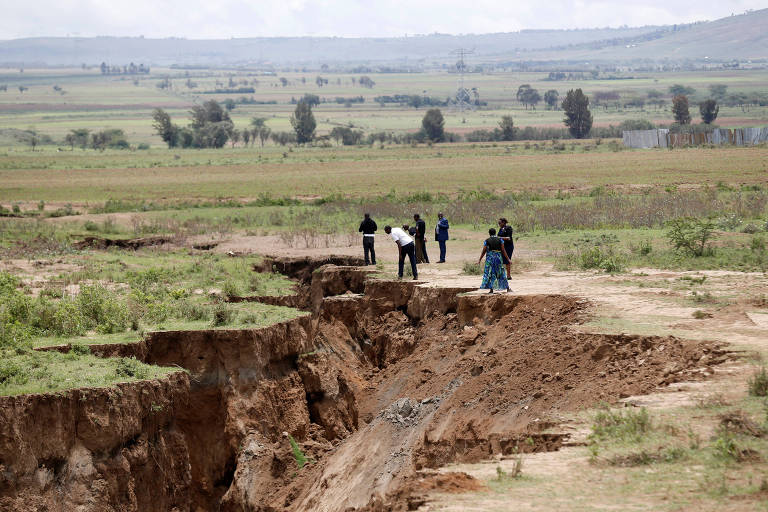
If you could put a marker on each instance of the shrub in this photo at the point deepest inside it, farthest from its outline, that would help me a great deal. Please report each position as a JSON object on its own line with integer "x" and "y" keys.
{"x": 691, "y": 235}
{"x": 629, "y": 424}
{"x": 11, "y": 372}
{"x": 472, "y": 268}
{"x": 231, "y": 288}
{"x": 729, "y": 222}
{"x": 130, "y": 367}
{"x": 595, "y": 253}
{"x": 758, "y": 383}
{"x": 103, "y": 309}
{"x": 222, "y": 315}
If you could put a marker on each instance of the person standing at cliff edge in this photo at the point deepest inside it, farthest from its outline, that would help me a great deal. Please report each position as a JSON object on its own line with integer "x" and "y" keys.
{"x": 368, "y": 228}
{"x": 441, "y": 235}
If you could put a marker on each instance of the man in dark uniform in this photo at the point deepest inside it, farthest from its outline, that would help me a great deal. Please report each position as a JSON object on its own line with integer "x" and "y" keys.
{"x": 421, "y": 242}
{"x": 505, "y": 233}
{"x": 368, "y": 229}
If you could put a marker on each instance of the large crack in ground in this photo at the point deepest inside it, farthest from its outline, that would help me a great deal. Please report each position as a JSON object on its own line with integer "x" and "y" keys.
{"x": 384, "y": 380}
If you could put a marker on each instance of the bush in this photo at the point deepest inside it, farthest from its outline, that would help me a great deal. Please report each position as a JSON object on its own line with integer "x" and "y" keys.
{"x": 691, "y": 235}
{"x": 758, "y": 383}
{"x": 595, "y": 253}
{"x": 11, "y": 372}
{"x": 629, "y": 424}
{"x": 102, "y": 309}
{"x": 231, "y": 288}
{"x": 222, "y": 315}
{"x": 130, "y": 367}
{"x": 729, "y": 222}
{"x": 472, "y": 268}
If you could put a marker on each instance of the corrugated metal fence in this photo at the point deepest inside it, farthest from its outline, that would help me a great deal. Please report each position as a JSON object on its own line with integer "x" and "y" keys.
{"x": 661, "y": 138}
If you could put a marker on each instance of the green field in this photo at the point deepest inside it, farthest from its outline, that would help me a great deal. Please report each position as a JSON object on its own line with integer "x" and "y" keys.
{"x": 93, "y": 101}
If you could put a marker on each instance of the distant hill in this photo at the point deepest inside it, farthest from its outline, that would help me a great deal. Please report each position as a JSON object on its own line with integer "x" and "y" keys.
{"x": 740, "y": 37}
{"x": 314, "y": 51}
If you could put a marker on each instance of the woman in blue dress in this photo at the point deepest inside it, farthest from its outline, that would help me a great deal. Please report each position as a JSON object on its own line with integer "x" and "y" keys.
{"x": 494, "y": 276}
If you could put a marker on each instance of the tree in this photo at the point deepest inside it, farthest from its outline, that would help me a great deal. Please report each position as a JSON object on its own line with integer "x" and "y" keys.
{"x": 246, "y": 137}
{"x": 264, "y": 133}
{"x": 229, "y": 104}
{"x": 303, "y": 122}
{"x": 681, "y": 90}
{"x": 528, "y": 96}
{"x": 718, "y": 91}
{"x": 551, "y": 98}
{"x": 433, "y": 125}
{"x": 165, "y": 128}
{"x": 312, "y": 99}
{"x": 709, "y": 110}
{"x": 366, "y": 81}
{"x": 208, "y": 112}
{"x": 81, "y": 136}
{"x": 33, "y": 140}
{"x": 507, "y": 127}
{"x": 578, "y": 118}
{"x": 680, "y": 109}
{"x": 234, "y": 137}
{"x": 337, "y": 133}
{"x": 654, "y": 94}
{"x": 70, "y": 140}
{"x": 346, "y": 135}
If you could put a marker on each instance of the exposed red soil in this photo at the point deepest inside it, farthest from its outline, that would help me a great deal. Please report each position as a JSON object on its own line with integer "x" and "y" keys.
{"x": 114, "y": 448}
{"x": 301, "y": 268}
{"x": 98, "y": 242}
{"x": 379, "y": 386}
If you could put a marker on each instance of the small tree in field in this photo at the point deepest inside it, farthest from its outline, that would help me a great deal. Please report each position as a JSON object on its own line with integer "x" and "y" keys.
{"x": 433, "y": 125}
{"x": 578, "y": 118}
{"x": 303, "y": 122}
{"x": 507, "y": 127}
{"x": 165, "y": 128}
{"x": 680, "y": 109}
{"x": 709, "y": 110}
{"x": 691, "y": 235}
{"x": 550, "y": 98}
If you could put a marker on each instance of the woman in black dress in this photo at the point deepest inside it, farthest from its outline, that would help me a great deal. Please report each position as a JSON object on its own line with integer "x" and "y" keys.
{"x": 505, "y": 233}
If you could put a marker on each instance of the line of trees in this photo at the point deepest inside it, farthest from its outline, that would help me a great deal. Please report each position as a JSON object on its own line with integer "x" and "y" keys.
{"x": 112, "y": 138}
{"x": 130, "y": 69}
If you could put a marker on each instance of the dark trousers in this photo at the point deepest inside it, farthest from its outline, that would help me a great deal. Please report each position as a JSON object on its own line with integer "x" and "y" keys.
{"x": 441, "y": 243}
{"x": 421, "y": 251}
{"x": 368, "y": 248}
{"x": 409, "y": 250}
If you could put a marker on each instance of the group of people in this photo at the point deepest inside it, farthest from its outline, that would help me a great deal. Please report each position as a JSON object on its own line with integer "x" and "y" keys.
{"x": 410, "y": 241}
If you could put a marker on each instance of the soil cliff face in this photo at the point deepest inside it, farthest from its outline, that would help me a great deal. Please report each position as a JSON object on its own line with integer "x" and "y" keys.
{"x": 105, "y": 449}
{"x": 383, "y": 379}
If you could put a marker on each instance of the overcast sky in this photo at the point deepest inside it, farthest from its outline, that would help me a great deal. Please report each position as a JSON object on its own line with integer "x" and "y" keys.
{"x": 198, "y": 19}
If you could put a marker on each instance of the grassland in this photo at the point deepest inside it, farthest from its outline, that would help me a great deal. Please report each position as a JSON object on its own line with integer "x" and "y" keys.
{"x": 363, "y": 172}
{"x": 93, "y": 101}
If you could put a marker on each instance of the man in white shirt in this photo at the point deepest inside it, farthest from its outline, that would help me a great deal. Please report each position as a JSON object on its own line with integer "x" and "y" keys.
{"x": 405, "y": 246}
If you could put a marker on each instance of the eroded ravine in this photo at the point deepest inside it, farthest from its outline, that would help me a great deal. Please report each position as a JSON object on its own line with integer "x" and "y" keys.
{"x": 381, "y": 380}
